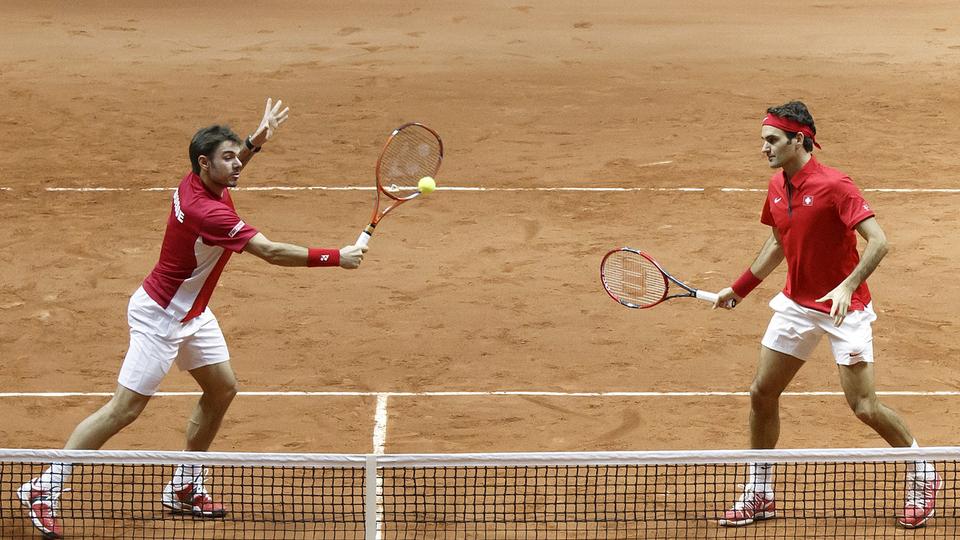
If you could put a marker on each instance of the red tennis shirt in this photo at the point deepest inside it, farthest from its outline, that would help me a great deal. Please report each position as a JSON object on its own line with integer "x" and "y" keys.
{"x": 816, "y": 222}
{"x": 203, "y": 230}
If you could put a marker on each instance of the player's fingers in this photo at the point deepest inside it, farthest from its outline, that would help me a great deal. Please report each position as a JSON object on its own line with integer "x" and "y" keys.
{"x": 269, "y": 105}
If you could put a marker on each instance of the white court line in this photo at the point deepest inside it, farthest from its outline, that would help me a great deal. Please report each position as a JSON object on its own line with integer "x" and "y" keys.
{"x": 609, "y": 189}
{"x": 380, "y": 425}
{"x": 537, "y": 393}
{"x": 379, "y": 449}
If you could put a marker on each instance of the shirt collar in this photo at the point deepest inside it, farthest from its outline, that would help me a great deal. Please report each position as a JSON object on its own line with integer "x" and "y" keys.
{"x": 194, "y": 177}
{"x": 805, "y": 172}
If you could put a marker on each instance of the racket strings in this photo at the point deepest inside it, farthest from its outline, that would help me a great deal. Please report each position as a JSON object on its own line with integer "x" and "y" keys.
{"x": 634, "y": 279}
{"x": 412, "y": 153}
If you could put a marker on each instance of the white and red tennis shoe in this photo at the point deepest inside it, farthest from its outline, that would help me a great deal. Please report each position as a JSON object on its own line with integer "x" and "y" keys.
{"x": 43, "y": 508}
{"x": 750, "y": 507}
{"x": 921, "y": 500}
{"x": 192, "y": 499}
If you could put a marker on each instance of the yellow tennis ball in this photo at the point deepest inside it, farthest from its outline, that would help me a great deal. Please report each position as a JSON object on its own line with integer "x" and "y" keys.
{"x": 426, "y": 185}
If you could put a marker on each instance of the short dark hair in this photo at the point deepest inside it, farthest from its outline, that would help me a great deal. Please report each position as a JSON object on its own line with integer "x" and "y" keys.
{"x": 798, "y": 112}
{"x": 206, "y": 141}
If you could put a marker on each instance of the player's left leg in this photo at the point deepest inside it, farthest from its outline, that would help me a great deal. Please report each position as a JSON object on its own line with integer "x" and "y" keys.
{"x": 852, "y": 345}
{"x": 219, "y": 385}
{"x": 858, "y": 385}
{"x": 204, "y": 354}
{"x": 186, "y": 492}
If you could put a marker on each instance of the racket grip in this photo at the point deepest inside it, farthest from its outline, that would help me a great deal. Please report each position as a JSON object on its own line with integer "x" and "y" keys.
{"x": 363, "y": 239}
{"x": 707, "y": 296}
{"x": 713, "y": 297}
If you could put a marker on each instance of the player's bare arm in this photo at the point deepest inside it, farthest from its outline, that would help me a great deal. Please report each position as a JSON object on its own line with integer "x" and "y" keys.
{"x": 273, "y": 117}
{"x": 769, "y": 258}
{"x": 282, "y": 254}
{"x": 873, "y": 253}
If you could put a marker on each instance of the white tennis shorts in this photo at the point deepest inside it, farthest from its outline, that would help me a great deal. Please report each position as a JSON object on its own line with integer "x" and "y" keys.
{"x": 796, "y": 330}
{"x": 158, "y": 339}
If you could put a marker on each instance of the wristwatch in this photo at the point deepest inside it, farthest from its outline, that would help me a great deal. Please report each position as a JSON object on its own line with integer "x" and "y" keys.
{"x": 249, "y": 144}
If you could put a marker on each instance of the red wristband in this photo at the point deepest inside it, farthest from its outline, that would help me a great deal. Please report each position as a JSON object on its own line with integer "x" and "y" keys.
{"x": 745, "y": 283}
{"x": 323, "y": 257}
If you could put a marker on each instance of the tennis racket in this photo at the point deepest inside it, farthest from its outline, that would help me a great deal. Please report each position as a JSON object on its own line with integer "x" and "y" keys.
{"x": 636, "y": 280}
{"x": 412, "y": 151}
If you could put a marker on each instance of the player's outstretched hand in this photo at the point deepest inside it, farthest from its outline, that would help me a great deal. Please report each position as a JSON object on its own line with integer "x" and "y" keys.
{"x": 351, "y": 256}
{"x": 727, "y": 299}
{"x": 273, "y": 116}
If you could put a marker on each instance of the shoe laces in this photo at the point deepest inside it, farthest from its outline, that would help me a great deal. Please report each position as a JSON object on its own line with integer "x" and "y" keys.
{"x": 920, "y": 490}
{"x": 749, "y": 500}
{"x": 197, "y": 491}
{"x": 50, "y": 497}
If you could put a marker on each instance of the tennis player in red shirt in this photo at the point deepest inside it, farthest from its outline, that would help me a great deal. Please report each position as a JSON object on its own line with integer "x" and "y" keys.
{"x": 815, "y": 213}
{"x": 171, "y": 323}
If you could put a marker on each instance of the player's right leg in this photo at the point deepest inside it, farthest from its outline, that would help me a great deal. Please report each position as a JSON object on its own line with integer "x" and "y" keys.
{"x": 788, "y": 341}
{"x": 774, "y": 372}
{"x": 41, "y": 495}
{"x": 95, "y": 430}
{"x": 151, "y": 353}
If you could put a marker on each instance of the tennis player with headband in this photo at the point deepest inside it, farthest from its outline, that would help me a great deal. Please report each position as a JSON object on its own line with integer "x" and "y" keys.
{"x": 171, "y": 323}
{"x": 813, "y": 211}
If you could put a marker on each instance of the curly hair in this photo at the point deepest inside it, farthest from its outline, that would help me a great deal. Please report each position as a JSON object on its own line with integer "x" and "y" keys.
{"x": 798, "y": 112}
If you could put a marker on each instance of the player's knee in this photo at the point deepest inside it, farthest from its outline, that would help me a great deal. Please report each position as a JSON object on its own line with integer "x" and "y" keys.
{"x": 762, "y": 397}
{"x": 224, "y": 393}
{"x": 122, "y": 416}
{"x": 867, "y": 410}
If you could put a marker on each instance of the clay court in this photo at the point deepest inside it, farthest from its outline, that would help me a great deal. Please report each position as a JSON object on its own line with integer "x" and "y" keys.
{"x": 493, "y": 293}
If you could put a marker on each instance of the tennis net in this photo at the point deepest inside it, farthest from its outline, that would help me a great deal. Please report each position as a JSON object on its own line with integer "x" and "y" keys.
{"x": 839, "y": 493}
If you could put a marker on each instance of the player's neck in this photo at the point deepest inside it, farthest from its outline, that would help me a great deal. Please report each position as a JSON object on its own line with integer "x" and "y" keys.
{"x": 211, "y": 186}
{"x": 793, "y": 166}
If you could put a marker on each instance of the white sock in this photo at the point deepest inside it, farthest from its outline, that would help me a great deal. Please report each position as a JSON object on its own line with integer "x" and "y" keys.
{"x": 53, "y": 477}
{"x": 187, "y": 474}
{"x": 922, "y": 470}
{"x": 761, "y": 478}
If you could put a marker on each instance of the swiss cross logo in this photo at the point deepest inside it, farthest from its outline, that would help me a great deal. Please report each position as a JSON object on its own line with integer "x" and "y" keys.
{"x": 808, "y": 200}
{"x": 866, "y": 206}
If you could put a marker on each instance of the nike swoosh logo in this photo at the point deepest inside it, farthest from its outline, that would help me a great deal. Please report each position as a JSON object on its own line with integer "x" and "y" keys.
{"x": 775, "y": 201}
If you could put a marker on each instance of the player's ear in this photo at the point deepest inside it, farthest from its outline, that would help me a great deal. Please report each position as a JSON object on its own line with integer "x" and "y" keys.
{"x": 798, "y": 141}
{"x": 204, "y": 162}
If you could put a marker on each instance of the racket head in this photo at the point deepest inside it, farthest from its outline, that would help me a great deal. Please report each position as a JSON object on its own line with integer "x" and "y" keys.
{"x": 411, "y": 152}
{"x": 633, "y": 278}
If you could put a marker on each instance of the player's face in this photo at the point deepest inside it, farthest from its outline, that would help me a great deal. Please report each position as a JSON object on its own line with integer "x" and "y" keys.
{"x": 777, "y": 148}
{"x": 223, "y": 166}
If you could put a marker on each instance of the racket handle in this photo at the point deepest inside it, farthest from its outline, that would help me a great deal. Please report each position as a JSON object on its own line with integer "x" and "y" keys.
{"x": 713, "y": 297}
{"x": 363, "y": 239}
{"x": 707, "y": 296}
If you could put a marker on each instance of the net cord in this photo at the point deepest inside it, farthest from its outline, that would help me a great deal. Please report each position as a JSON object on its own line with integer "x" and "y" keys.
{"x": 829, "y": 455}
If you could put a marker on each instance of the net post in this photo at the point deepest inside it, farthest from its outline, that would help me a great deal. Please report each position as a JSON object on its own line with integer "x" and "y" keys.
{"x": 370, "y": 505}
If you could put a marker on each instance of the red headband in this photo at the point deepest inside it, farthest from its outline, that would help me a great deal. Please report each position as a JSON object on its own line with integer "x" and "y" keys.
{"x": 790, "y": 125}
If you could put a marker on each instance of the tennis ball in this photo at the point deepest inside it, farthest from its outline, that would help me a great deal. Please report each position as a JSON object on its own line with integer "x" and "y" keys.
{"x": 426, "y": 185}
